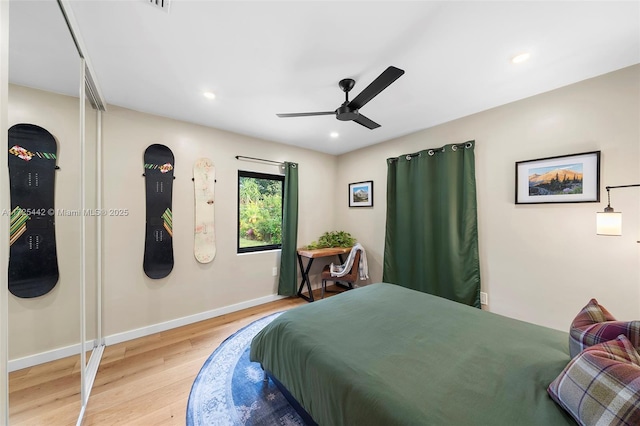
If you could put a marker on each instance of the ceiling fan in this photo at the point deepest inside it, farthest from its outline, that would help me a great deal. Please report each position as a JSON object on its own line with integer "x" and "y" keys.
{"x": 349, "y": 110}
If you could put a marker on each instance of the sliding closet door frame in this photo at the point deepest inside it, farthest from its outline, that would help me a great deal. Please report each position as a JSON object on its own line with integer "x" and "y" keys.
{"x": 88, "y": 89}
{"x": 4, "y": 207}
{"x": 84, "y": 393}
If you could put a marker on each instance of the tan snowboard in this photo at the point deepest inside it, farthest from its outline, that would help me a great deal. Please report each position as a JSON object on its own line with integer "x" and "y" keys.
{"x": 204, "y": 248}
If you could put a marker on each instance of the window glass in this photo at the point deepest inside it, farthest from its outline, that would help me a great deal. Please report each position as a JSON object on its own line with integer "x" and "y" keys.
{"x": 259, "y": 211}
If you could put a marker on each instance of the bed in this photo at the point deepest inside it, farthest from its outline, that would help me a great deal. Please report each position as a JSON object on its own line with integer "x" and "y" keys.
{"x": 386, "y": 355}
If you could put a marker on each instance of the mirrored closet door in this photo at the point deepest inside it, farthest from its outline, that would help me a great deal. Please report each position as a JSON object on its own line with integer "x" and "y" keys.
{"x": 49, "y": 374}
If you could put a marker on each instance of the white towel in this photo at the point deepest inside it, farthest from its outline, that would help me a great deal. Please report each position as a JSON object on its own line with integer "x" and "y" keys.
{"x": 344, "y": 269}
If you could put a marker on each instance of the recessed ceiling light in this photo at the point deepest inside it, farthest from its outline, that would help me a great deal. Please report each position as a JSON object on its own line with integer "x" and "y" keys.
{"x": 209, "y": 95}
{"x": 518, "y": 59}
{"x": 334, "y": 134}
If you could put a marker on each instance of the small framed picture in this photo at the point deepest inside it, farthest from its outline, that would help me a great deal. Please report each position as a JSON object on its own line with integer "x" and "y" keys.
{"x": 571, "y": 178}
{"x": 361, "y": 194}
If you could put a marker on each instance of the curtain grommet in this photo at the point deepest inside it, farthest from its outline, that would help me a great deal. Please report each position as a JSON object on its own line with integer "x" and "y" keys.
{"x": 454, "y": 148}
{"x": 408, "y": 157}
{"x": 468, "y": 145}
{"x": 430, "y": 152}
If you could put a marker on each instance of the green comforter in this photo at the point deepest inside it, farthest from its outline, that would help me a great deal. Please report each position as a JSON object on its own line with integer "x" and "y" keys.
{"x": 386, "y": 355}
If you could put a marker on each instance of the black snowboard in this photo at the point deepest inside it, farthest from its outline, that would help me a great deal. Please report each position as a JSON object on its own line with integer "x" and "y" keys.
{"x": 158, "y": 244}
{"x": 33, "y": 261}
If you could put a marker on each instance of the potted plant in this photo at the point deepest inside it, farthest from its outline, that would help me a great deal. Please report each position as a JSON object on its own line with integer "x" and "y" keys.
{"x": 332, "y": 239}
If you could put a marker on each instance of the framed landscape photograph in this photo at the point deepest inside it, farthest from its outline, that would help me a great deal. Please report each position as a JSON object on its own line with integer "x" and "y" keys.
{"x": 361, "y": 194}
{"x": 571, "y": 178}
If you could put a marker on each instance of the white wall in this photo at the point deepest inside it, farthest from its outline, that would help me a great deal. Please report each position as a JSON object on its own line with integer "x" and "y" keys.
{"x": 539, "y": 263}
{"x": 131, "y": 299}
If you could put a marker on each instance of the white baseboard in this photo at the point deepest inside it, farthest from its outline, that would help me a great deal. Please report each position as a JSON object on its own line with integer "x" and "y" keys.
{"x": 41, "y": 358}
{"x": 179, "y": 322}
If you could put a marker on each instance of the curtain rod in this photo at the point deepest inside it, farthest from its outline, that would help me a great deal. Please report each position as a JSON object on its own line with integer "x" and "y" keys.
{"x": 242, "y": 157}
{"x": 454, "y": 147}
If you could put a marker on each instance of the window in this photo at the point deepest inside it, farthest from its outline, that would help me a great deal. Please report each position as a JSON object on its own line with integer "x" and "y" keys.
{"x": 259, "y": 211}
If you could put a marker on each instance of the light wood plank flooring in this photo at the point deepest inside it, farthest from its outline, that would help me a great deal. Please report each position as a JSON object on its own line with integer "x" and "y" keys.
{"x": 145, "y": 381}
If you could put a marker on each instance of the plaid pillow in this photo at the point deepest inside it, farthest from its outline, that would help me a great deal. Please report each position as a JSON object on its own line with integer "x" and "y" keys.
{"x": 601, "y": 385}
{"x": 594, "y": 324}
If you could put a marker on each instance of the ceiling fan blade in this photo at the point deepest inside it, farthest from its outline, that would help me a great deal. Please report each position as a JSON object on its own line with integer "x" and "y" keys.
{"x": 366, "y": 122}
{"x": 306, "y": 114}
{"x": 387, "y": 77}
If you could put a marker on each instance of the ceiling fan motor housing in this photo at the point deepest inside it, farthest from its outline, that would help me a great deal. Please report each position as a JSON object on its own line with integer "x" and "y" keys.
{"x": 344, "y": 113}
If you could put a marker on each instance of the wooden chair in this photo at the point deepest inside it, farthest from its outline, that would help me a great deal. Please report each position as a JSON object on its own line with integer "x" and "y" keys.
{"x": 349, "y": 278}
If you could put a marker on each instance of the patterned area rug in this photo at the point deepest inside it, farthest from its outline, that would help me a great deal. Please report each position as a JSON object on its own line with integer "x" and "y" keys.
{"x": 230, "y": 390}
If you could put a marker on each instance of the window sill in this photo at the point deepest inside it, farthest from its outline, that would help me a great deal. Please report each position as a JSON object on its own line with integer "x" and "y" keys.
{"x": 259, "y": 252}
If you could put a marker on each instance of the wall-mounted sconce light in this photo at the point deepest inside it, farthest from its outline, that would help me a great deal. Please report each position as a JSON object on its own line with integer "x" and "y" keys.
{"x": 609, "y": 222}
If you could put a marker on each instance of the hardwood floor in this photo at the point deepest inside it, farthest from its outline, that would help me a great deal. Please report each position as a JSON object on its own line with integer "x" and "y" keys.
{"x": 145, "y": 381}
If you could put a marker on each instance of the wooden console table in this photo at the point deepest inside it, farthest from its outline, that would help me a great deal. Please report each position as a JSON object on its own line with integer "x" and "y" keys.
{"x": 314, "y": 254}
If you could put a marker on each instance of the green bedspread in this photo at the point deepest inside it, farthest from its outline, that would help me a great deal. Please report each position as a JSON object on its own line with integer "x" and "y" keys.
{"x": 386, "y": 355}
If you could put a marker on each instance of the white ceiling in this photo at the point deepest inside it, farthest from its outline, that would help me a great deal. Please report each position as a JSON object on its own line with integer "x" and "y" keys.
{"x": 267, "y": 57}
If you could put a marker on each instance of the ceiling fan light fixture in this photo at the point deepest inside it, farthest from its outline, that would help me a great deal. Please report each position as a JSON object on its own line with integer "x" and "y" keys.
{"x": 209, "y": 95}
{"x": 520, "y": 58}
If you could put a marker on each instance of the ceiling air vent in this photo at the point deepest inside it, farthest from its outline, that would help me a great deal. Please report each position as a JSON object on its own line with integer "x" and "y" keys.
{"x": 160, "y": 4}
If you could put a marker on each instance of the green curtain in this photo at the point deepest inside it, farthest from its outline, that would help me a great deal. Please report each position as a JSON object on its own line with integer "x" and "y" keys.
{"x": 287, "y": 282}
{"x": 431, "y": 240}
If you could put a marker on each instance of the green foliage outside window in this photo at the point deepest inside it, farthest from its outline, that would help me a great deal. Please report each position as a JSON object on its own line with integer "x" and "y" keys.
{"x": 260, "y": 211}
